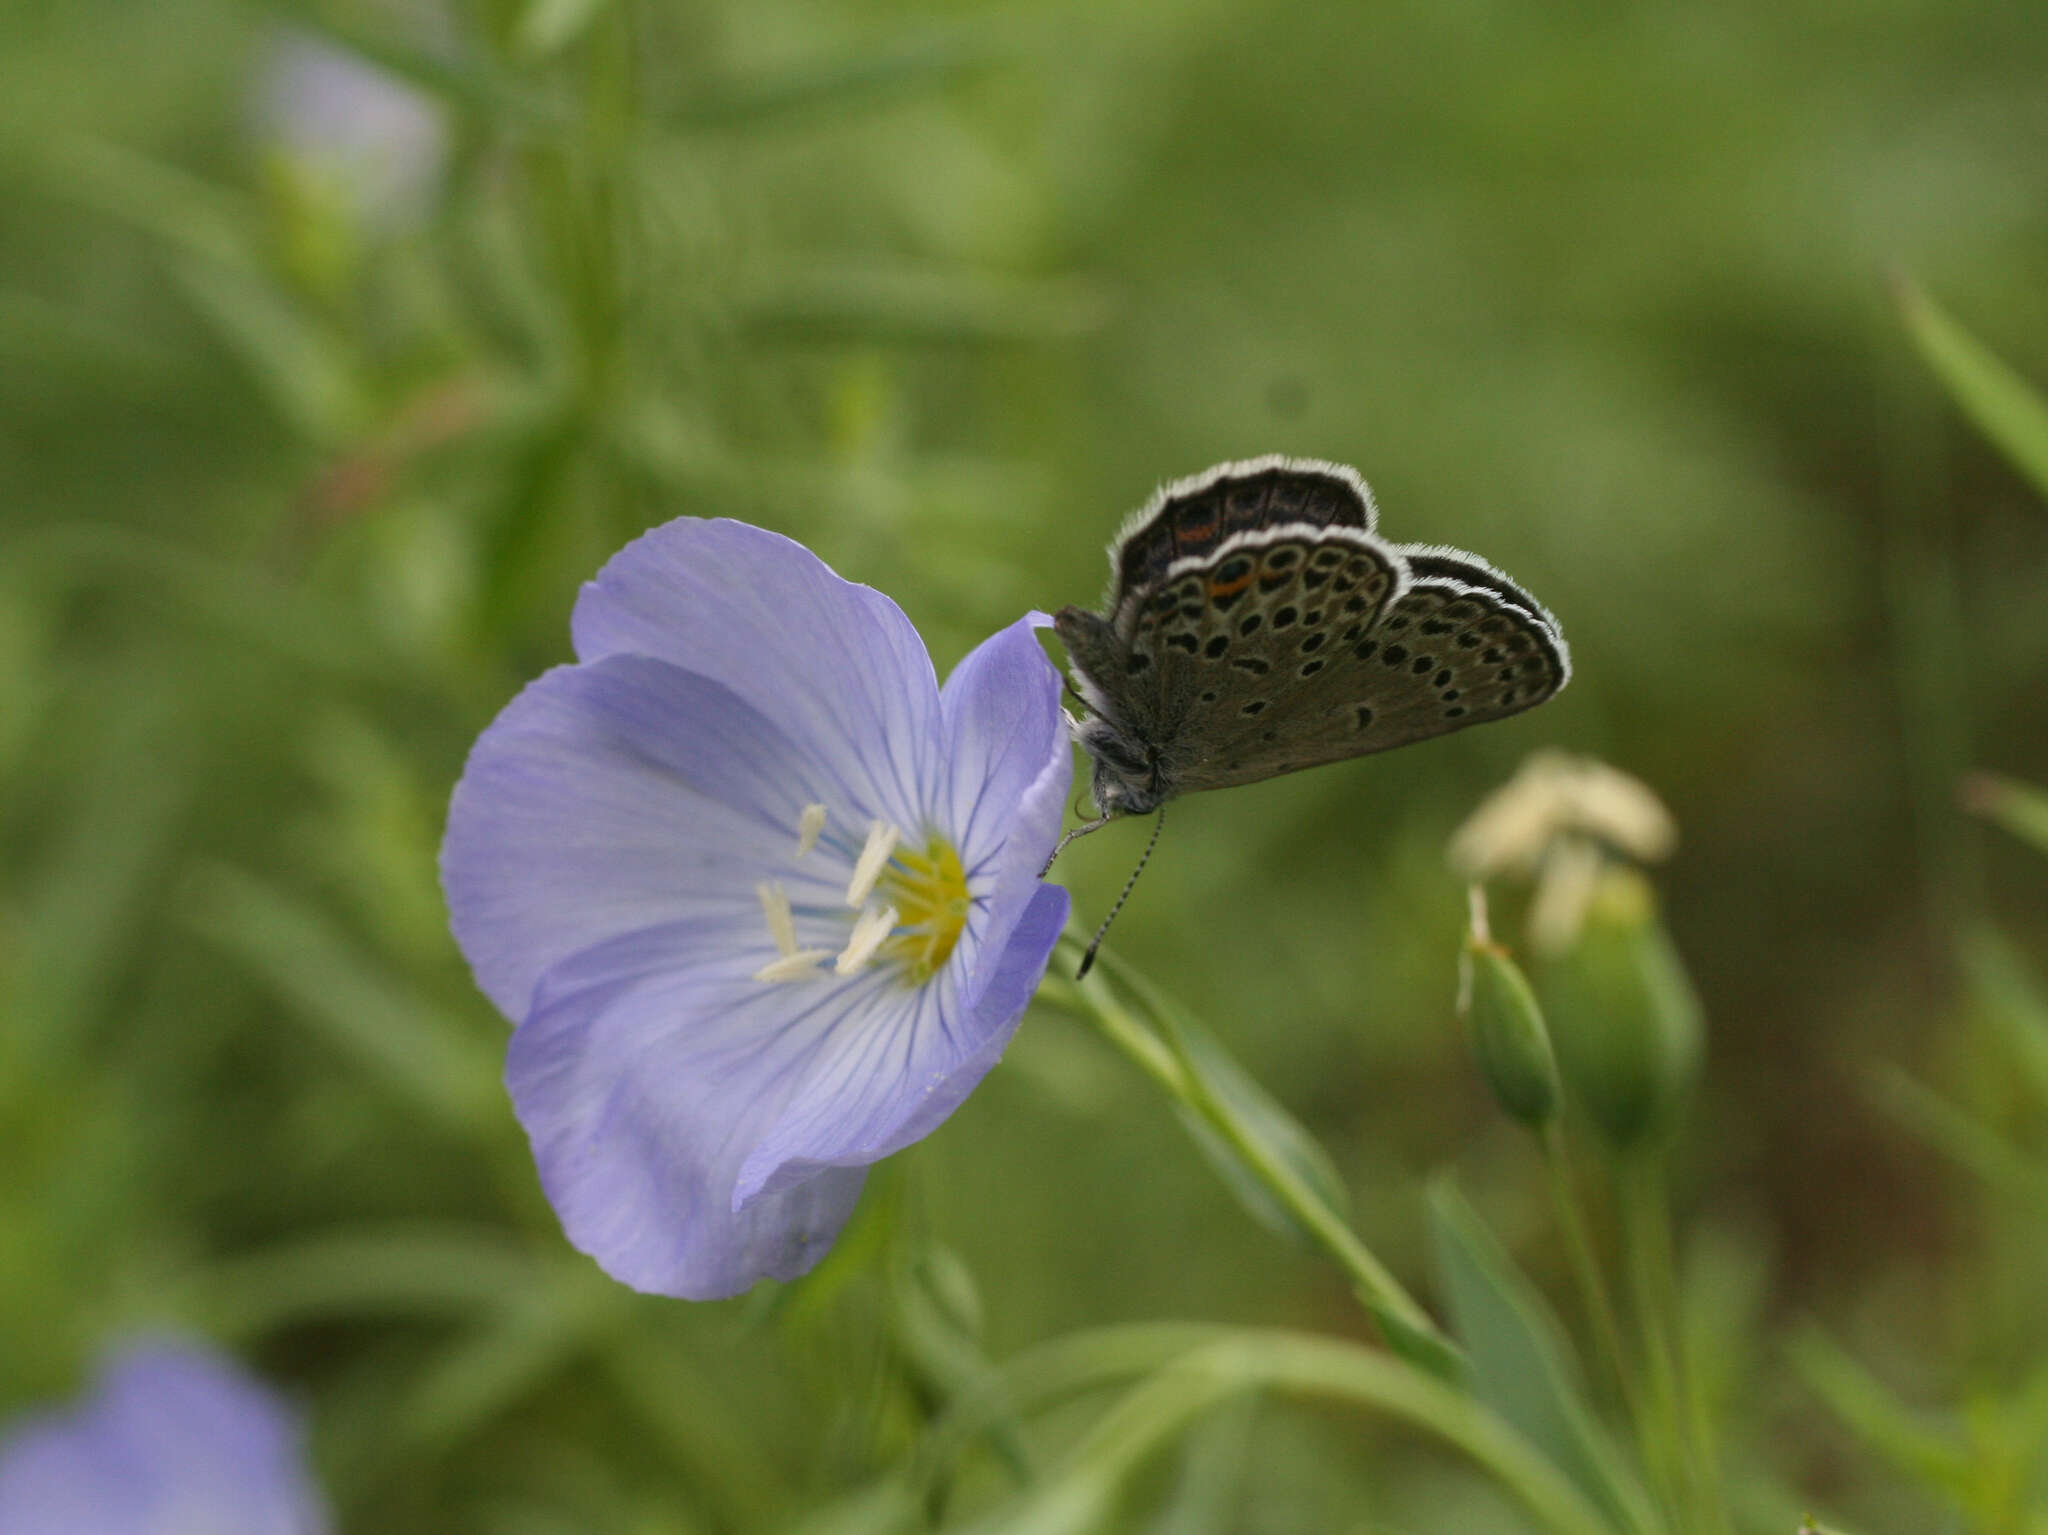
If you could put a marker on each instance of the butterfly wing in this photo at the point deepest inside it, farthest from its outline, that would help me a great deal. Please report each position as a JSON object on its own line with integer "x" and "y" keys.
{"x": 1193, "y": 517}
{"x": 1459, "y": 644}
{"x": 1121, "y": 661}
{"x": 1256, "y": 623}
{"x": 1234, "y": 634}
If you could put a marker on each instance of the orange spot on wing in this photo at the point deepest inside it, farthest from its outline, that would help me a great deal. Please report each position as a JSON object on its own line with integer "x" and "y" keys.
{"x": 1232, "y": 588}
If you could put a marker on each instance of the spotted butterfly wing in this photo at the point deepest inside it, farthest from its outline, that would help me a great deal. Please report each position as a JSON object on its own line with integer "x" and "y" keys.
{"x": 1460, "y": 645}
{"x": 1257, "y": 624}
{"x": 1194, "y": 517}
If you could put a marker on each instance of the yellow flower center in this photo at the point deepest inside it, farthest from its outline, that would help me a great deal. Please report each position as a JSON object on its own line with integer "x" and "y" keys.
{"x": 911, "y": 909}
{"x": 929, "y": 893}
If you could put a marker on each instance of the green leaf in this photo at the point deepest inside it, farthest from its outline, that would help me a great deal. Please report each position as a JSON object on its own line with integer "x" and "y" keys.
{"x": 2003, "y": 405}
{"x": 411, "y": 1270}
{"x": 216, "y": 242}
{"x": 485, "y": 1371}
{"x": 1186, "y": 1066}
{"x": 1217, "y": 1077}
{"x": 935, "y": 1317}
{"x": 1521, "y": 1365}
{"x": 689, "y": 1415}
{"x": 2019, "y": 807}
{"x": 1207, "y": 1494}
{"x": 347, "y": 998}
{"x": 304, "y": 374}
{"x": 236, "y": 603}
{"x": 1086, "y": 1488}
{"x": 73, "y": 938}
{"x": 1922, "y": 1446}
{"x": 548, "y": 26}
{"x": 911, "y": 306}
{"x": 884, "y": 1507}
{"x": 1205, "y": 1083}
{"x": 1262, "y": 1116}
{"x": 66, "y": 347}
{"x": 1960, "y": 1136}
{"x": 1050, "y": 1373}
{"x": 186, "y": 213}
{"x": 893, "y": 71}
{"x": 2009, "y": 995}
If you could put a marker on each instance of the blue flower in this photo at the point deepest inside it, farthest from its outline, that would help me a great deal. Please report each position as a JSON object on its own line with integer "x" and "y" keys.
{"x": 762, "y": 901}
{"x": 172, "y": 1440}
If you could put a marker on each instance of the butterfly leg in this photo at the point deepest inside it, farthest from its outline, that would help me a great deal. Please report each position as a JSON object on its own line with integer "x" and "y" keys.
{"x": 1079, "y": 831}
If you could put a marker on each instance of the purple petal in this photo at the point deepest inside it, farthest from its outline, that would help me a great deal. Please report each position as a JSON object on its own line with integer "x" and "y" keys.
{"x": 1009, "y": 769}
{"x": 697, "y": 1129}
{"x": 823, "y": 658}
{"x": 1001, "y": 802}
{"x": 172, "y": 1441}
{"x": 1003, "y": 730}
{"x": 616, "y": 796}
{"x": 644, "y": 1078}
{"x": 867, "y": 1097}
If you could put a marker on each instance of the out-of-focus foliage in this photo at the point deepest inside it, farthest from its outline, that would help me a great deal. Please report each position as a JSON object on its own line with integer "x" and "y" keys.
{"x": 1986, "y": 1458}
{"x": 318, "y": 398}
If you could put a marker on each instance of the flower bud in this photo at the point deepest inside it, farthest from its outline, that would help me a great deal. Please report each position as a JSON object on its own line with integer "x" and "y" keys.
{"x": 1625, "y": 1019}
{"x": 1509, "y": 1041}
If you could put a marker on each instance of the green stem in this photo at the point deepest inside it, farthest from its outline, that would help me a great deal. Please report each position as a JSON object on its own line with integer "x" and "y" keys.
{"x": 1086, "y": 1489}
{"x": 1676, "y": 1431}
{"x": 1659, "y": 1430}
{"x": 1702, "y": 1460}
{"x": 1593, "y": 1291}
{"x": 1407, "y": 1327}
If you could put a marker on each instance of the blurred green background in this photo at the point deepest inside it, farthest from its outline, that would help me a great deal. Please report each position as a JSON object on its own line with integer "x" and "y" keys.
{"x": 340, "y": 342}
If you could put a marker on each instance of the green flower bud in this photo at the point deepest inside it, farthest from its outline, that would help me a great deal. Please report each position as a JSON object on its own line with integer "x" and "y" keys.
{"x": 1508, "y": 1038}
{"x": 1624, "y": 1016}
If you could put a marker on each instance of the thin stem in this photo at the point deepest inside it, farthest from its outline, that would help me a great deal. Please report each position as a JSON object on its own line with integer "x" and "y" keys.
{"x": 1407, "y": 1327}
{"x": 1659, "y": 1430}
{"x": 1676, "y": 1432}
{"x": 1701, "y": 1461}
{"x": 1085, "y": 1489}
{"x": 1593, "y": 1291}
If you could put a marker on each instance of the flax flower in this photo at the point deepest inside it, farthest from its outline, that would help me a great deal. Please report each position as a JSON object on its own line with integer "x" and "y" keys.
{"x": 761, "y": 900}
{"x": 1560, "y": 821}
{"x": 172, "y": 1441}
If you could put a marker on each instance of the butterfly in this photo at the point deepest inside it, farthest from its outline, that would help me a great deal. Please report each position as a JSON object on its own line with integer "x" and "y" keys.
{"x": 1257, "y": 623}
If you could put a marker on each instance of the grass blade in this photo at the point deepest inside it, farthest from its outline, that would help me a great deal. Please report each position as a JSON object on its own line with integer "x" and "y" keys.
{"x": 300, "y": 956}
{"x": 2003, "y": 405}
{"x": 1521, "y": 1365}
{"x": 2019, "y": 807}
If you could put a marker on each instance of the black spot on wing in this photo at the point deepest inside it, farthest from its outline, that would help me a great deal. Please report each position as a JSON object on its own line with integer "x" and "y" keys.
{"x": 1196, "y": 520}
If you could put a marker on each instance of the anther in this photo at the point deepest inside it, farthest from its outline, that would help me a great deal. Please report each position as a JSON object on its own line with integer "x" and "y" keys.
{"x": 868, "y": 933}
{"x": 882, "y": 838}
{"x": 807, "y": 828}
{"x": 800, "y": 966}
{"x": 775, "y": 907}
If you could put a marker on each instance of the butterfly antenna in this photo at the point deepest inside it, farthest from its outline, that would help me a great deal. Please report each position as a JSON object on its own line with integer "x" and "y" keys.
{"x": 1144, "y": 858}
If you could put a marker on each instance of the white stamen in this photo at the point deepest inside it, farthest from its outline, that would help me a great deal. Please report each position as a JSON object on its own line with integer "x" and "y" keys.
{"x": 775, "y": 907}
{"x": 867, "y": 937}
{"x": 882, "y": 839}
{"x": 808, "y": 828}
{"x": 800, "y": 966}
